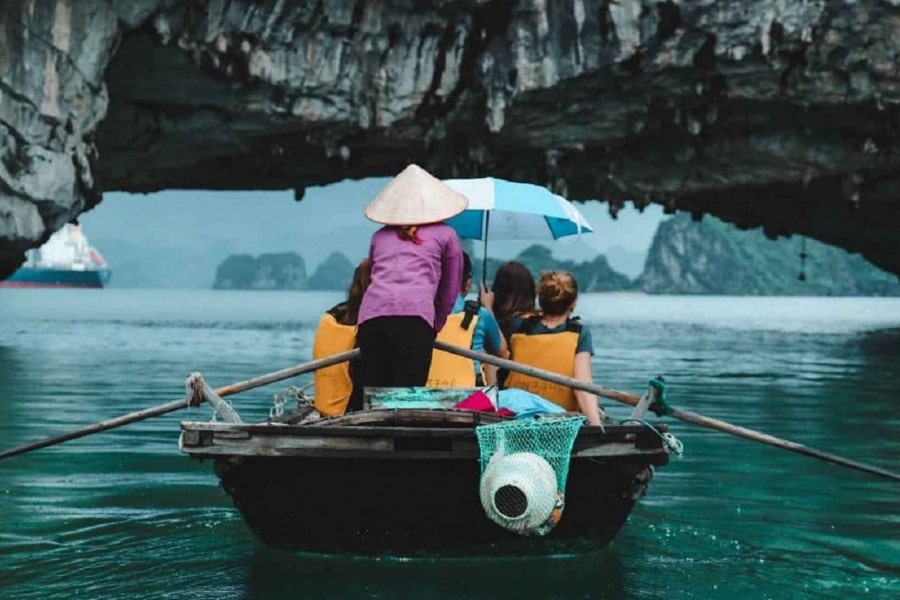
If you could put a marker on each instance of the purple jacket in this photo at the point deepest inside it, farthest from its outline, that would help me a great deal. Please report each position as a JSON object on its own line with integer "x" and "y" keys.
{"x": 409, "y": 279}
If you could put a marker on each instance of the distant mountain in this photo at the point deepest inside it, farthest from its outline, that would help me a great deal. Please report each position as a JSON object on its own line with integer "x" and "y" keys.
{"x": 167, "y": 250}
{"x": 593, "y": 276}
{"x": 334, "y": 273}
{"x": 283, "y": 271}
{"x": 712, "y": 257}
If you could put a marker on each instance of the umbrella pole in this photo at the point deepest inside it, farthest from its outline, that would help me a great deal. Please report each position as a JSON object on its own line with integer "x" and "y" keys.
{"x": 487, "y": 224}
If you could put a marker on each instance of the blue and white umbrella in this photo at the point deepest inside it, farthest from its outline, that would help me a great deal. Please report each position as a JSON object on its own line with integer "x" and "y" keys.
{"x": 510, "y": 210}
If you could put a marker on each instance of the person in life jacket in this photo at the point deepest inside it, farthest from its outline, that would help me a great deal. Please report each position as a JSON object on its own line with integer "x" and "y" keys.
{"x": 468, "y": 326}
{"x": 337, "y": 333}
{"x": 511, "y": 295}
{"x": 555, "y": 341}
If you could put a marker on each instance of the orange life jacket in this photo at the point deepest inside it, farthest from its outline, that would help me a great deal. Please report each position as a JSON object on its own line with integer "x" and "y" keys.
{"x": 333, "y": 384}
{"x": 452, "y": 370}
{"x": 554, "y": 352}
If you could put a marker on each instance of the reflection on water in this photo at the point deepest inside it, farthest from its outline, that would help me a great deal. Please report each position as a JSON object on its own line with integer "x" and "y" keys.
{"x": 123, "y": 514}
{"x": 596, "y": 574}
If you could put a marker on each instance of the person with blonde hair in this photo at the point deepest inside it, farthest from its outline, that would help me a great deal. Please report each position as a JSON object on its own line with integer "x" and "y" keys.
{"x": 416, "y": 277}
{"x": 555, "y": 341}
{"x": 337, "y": 333}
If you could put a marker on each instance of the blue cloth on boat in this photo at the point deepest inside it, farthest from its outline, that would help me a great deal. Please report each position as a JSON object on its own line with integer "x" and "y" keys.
{"x": 525, "y": 404}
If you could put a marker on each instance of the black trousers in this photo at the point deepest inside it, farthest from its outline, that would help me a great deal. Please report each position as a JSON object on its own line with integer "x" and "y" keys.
{"x": 394, "y": 352}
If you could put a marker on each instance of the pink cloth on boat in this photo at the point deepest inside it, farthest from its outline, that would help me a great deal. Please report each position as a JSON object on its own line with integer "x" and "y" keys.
{"x": 480, "y": 402}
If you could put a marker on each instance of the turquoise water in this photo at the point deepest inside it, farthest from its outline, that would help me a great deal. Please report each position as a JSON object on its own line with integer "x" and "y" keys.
{"x": 124, "y": 515}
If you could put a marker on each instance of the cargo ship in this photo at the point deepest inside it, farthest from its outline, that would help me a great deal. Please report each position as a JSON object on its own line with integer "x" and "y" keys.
{"x": 66, "y": 260}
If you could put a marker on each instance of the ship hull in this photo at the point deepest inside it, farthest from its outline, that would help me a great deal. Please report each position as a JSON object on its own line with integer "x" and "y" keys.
{"x": 27, "y": 277}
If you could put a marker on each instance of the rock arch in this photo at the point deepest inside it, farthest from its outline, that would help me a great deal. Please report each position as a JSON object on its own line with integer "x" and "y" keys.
{"x": 783, "y": 114}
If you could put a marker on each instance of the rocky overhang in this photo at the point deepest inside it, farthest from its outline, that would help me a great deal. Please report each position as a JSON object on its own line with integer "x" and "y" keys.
{"x": 783, "y": 114}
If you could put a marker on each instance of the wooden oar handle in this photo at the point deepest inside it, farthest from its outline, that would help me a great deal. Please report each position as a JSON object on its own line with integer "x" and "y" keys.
{"x": 684, "y": 415}
{"x": 168, "y": 407}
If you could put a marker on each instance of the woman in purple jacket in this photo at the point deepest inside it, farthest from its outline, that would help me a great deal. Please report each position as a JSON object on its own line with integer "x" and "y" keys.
{"x": 416, "y": 270}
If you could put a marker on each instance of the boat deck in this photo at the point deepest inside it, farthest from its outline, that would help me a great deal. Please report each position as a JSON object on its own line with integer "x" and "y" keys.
{"x": 400, "y": 434}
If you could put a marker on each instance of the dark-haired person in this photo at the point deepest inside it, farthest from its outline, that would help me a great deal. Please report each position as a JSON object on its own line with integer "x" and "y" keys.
{"x": 512, "y": 294}
{"x": 337, "y": 333}
{"x": 416, "y": 272}
{"x": 468, "y": 326}
{"x": 555, "y": 341}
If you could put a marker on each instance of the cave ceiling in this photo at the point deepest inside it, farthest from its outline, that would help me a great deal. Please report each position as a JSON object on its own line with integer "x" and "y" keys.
{"x": 781, "y": 114}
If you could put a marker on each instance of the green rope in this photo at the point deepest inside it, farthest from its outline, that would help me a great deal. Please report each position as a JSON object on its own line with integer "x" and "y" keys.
{"x": 661, "y": 404}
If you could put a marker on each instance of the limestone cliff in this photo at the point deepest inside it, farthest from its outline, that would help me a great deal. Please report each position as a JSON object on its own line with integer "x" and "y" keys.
{"x": 711, "y": 257}
{"x": 780, "y": 113}
{"x": 280, "y": 271}
{"x": 593, "y": 275}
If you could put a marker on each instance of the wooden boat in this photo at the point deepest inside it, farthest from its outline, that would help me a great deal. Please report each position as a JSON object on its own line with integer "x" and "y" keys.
{"x": 405, "y": 480}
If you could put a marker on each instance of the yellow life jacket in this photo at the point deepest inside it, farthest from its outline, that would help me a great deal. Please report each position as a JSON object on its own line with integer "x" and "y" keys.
{"x": 333, "y": 384}
{"x": 452, "y": 370}
{"x": 554, "y": 352}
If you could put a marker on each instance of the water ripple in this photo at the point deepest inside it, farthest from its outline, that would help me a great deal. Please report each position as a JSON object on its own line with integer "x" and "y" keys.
{"x": 123, "y": 514}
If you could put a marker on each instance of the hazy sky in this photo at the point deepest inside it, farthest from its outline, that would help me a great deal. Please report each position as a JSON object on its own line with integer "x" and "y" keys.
{"x": 328, "y": 218}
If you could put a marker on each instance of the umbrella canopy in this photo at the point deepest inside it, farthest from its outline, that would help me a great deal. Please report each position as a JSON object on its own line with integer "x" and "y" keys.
{"x": 510, "y": 210}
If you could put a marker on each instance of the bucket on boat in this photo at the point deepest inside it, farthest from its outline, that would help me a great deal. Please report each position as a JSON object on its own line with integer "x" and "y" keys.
{"x": 519, "y": 492}
{"x": 524, "y": 466}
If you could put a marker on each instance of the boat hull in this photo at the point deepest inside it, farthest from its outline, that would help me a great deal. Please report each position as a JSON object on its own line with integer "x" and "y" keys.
{"x": 406, "y": 508}
{"x": 403, "y": 488}
{"x": 27, "y": 277}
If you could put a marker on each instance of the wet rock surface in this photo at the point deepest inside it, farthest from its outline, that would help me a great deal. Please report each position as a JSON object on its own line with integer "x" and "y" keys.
{"x": 783, "y": 114}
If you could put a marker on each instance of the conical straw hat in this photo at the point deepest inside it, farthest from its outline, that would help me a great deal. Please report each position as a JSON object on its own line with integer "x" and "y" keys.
{"x": 415, "y": 197}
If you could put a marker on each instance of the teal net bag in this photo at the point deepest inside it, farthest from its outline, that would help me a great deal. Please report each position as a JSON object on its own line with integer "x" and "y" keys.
{"x": 524, "y": 467}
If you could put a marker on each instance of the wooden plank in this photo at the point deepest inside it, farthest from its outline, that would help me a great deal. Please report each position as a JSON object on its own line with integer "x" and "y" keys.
{"x": 368, "y": 432}
{"x": 360, "y": 455}
{"x": 410, "y": 415}
{"x": 262, "y": 443}
{"x": 232, "y": 435}
{"x": 618, "y": 449}
{"x": 586, "y": 436}
{"x": 350, "y": 446}
{"x": 384, "y": 450}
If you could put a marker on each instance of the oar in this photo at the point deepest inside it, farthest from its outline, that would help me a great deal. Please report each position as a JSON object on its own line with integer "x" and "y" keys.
{"x": 162, "y": 409}
{"x": 684, "y": 415}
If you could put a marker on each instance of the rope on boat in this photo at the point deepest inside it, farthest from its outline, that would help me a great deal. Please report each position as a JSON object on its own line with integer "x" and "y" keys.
{"x": 671, "y": 442}
{"x": 278, "y": 405}
{"x": 281, "y": 398}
